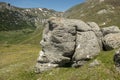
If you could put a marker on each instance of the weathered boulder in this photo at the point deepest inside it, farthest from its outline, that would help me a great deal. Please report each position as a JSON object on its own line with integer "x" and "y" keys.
{"x": 58, "y": 45}
{"x": 87, "y": 46}
{"x": 111, "y": 29}
{"x": 111, "y": 41}
{"x": 67, "y": 41}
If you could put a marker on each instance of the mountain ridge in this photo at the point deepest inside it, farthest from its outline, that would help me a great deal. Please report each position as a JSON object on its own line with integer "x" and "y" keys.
{"x": 12, "y": 16}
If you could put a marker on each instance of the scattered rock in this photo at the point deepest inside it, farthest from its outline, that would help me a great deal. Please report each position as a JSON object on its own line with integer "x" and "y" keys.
{"x": 117, "y": 58}
{"x": 94, "y": 63}
{"x": 104, "y": 11}
{"x": 111, "y": 41}
{"x": 111, "y": 29}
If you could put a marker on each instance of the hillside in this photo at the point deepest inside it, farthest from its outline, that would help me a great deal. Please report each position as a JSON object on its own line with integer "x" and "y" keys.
{"x": 18, "y": 61}
{"x": 78, "y": 48}
{"x": 14, "y": 18}
{"x": 103, "y": 12}
{"x": 22, "y": 25}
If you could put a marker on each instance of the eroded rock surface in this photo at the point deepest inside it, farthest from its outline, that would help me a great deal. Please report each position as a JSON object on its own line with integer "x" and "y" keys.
{"x": 87, "y": 46}
{"x": 111, "y": 39}
{"x": 111, "y": 29}
{"x": 74, "y": 42}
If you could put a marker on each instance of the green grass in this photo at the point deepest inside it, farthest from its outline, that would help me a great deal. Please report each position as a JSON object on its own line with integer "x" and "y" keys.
{"x": 13, "y": 37}
{"x": 90, "y": 13}
{"x": 34, "y": 37}
{"x": 25, "y": 36}
{"x": 19, "y": 52}
{"x": 17, "y": 63}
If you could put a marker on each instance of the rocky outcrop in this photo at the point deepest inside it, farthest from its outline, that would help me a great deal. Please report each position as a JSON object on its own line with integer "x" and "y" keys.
{"x": 74, "y": 42}
{"x": 111, "y": 39}
{"x": 67, "y": 41}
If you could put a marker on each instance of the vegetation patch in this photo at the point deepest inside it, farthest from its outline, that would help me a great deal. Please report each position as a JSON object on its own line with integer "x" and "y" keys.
{"x": 17, "y": 63}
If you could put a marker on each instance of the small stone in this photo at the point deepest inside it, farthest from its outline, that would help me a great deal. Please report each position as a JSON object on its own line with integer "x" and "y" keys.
{"x": 94, "y": 63}
{"x": 116, "y": 58}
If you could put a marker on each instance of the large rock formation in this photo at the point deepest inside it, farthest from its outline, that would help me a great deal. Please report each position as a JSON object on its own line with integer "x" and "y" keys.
{"x": 67, "y": 41}
{"x": 74, "y": 42}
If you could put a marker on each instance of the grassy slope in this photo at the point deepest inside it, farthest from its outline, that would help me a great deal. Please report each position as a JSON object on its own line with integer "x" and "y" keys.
{"x": 19, "y": 51}
{"x": 17, "y": 63}
{"x": 18, "y": 58}
{"x": 18, "y": 54}
{"x": 21, "y": 36}
{"x": 14, "y": 19}
{"x": 88, "y": 12}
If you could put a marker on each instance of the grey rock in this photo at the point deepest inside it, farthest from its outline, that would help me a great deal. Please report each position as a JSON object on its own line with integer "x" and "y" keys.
{"x": 99, "y": 36}
{"x": 94, "y": 63}
{"x": 116, "y": 60}
{"x": 94, "y": 26}
{"x": 67, "y": 41}
{"x": 80, "y": 25}
{"x": 118, "y": 69}
{"x": 87, "y": 46}
{"x": 96, "y": 29}
{"x": 44, "y": 67}
{"x": 111, "y": 41}
{"x": 111, "y": 29}
{"x": 77, "y": 64}
{"x": 58, "y": 45}
{"x": 46, "y": 57}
